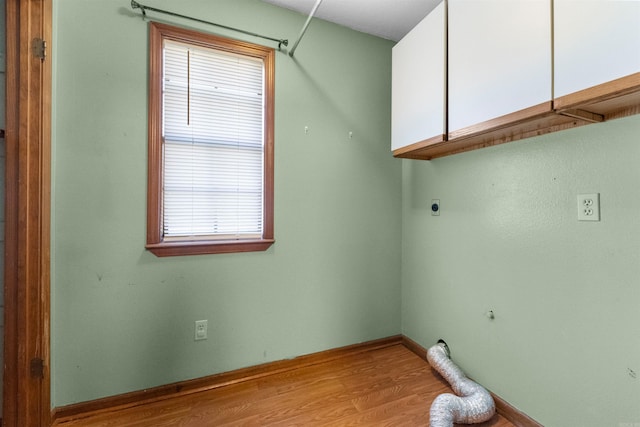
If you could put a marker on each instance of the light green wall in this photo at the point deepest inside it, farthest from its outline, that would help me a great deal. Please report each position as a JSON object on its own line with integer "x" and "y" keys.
{"x": 565, "y": 343}
{"x": 564, "y": 346}
{"x": 123, "y": 319}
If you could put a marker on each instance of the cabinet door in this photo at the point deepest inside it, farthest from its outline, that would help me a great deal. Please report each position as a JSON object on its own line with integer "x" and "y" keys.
{"x": 418, "y": 84}
{"x": 499, "y": 60}
{"x": 595, "y": 41}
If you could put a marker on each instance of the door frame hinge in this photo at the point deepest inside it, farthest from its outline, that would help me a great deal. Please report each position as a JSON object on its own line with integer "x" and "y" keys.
{"x": 37, "y": 367}
{"x": 39, "y": 48}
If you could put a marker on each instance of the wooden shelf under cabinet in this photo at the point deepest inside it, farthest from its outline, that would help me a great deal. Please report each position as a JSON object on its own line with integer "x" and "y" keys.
{"x": 611, "y": 100}
{"x": 420, "y": 149}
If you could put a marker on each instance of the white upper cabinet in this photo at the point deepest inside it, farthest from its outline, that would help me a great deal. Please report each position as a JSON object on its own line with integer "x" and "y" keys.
{"x": 499, "y": 60}
{"x": 595, "y": 41}
{"x": 418, "y": 82}
{"x": 476, "y": 73}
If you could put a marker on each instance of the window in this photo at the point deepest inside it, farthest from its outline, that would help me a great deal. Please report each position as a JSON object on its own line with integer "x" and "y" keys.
{"x": 210, "y": 171}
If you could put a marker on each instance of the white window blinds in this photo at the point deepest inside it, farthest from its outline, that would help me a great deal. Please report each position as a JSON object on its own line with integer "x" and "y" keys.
{"x": 212, "y": 143}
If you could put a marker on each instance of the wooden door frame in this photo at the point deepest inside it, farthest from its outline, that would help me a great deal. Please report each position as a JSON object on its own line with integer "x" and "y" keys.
{"x": 27, "y": 385}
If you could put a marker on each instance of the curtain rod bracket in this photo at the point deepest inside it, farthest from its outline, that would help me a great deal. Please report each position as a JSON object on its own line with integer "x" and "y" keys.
{"x": 143, "y": 9}
{"x": 136, "y": 5}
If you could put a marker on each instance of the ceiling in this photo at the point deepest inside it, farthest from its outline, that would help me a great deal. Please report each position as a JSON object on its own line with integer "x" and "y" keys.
{"x": 389, "y": 19}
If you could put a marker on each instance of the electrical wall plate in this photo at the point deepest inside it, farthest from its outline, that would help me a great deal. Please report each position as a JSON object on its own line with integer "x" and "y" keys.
{"x": 435, "y": 207}
{"x": 201, "y": 330}
{"x": 589, "y": 207}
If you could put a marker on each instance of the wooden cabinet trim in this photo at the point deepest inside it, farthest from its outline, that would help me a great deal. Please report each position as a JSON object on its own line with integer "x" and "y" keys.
{"x": 625, "y": 89}
{"x": 413, "y": 150}
{"x": 502, "y": 122}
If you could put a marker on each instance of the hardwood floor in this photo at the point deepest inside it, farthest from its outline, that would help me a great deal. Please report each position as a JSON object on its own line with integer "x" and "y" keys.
{"x": 391, "y": 386}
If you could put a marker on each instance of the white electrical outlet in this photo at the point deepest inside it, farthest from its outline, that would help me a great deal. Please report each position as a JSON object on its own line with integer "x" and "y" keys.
{"x": 201, "y": 330}
{"x": 589, "y": 207}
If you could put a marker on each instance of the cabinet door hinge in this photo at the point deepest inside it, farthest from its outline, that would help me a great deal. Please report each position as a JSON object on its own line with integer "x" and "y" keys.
{"x": 37, "y": 367}
{"x": 39, "y": 48}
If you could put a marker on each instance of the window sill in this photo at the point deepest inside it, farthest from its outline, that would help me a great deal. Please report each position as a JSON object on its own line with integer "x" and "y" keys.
{"x": 167, "y": 249}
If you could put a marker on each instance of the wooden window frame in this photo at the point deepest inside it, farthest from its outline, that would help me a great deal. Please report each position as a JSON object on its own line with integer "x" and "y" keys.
{"x": 155, "y": 239}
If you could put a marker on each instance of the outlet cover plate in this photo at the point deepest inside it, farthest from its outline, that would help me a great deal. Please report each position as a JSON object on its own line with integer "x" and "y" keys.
{"x": 589, "y": 207}
{"x": 201, "y": 330}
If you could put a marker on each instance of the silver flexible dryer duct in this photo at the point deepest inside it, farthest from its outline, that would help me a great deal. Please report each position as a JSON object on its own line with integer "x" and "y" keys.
{"x": 473, "y": 403}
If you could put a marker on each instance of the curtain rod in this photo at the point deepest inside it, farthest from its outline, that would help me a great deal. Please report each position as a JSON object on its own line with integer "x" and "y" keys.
{"x": 143, "y": 8}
